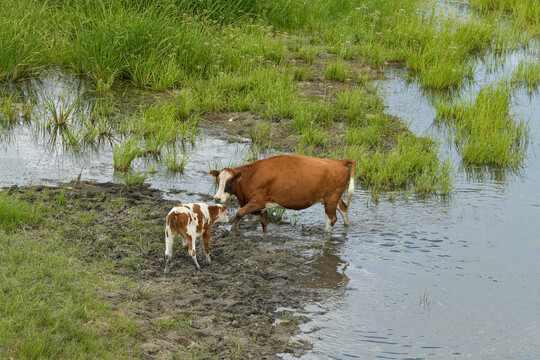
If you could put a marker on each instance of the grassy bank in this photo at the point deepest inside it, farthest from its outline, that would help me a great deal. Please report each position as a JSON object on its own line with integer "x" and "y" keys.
{"x": 52, "y": 305}
{"x": 81, "y": 276}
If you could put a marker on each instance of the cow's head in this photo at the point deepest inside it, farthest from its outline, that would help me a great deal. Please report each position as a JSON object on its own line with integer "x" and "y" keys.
{"x": 226, "y": 179}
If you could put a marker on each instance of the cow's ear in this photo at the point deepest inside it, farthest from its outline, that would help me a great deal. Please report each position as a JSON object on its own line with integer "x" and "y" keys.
{"x": 214, "y": 173}
{"x": 237, "y": 174}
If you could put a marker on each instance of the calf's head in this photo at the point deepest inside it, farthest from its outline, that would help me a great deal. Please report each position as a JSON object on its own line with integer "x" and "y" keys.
{"x": 227, "y": 180}
{"x": 222, "y": 214}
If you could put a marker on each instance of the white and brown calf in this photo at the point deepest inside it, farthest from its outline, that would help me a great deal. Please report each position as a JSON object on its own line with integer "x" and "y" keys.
{"x": 190, "y": 221}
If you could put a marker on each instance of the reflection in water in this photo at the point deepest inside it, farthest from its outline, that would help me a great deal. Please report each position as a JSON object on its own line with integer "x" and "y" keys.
{"x": 328, "y": 267}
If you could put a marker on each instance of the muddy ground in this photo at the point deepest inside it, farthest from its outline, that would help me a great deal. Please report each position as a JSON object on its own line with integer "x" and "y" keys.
{"x": 241, "y": 306}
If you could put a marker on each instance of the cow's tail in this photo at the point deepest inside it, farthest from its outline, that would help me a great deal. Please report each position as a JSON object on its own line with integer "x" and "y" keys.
{"x": 350, "y": 192}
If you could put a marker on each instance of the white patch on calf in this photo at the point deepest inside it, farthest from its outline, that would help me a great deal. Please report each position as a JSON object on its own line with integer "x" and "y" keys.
{"x": 221, "y": 195}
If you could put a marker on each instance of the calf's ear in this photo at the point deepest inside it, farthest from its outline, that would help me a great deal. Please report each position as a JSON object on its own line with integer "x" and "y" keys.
{"x": 214, "y": 173}
{"x": 224, "y": 208}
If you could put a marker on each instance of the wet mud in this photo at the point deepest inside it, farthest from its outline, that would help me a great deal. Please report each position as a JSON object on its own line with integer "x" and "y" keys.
{"x": 246, "y": 304}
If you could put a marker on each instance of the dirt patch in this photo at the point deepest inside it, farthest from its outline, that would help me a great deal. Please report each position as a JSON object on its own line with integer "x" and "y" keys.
{"x": 241, "y": 306}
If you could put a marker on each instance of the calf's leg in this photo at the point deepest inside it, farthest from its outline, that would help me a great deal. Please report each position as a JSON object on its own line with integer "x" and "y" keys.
{"x": 191, "y": 250}
{"x": 206, "y": 241}
{"x": 169, "y": 239}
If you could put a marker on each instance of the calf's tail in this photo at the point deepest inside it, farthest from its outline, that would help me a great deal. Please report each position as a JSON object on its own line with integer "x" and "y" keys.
{"x": 350, "y": 192}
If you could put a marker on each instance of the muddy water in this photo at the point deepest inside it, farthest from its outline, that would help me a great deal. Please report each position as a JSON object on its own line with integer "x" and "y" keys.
{"x": 410, "y": 278}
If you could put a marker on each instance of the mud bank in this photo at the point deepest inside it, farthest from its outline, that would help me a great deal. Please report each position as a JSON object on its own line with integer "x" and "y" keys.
{"x": 233, "y": 308}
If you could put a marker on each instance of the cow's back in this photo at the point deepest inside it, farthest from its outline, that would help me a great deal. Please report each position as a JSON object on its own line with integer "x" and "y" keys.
{"x": 294, "y": 181}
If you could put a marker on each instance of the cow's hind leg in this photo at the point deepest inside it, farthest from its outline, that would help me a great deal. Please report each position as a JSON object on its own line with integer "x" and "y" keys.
{"x": 330, "y": 206}
{"x": 342, "y": 208}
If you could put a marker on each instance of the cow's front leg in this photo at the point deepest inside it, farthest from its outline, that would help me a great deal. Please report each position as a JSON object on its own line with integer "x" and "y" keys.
{"x": 264, "y": 220}
{"x": 249, "y": 208}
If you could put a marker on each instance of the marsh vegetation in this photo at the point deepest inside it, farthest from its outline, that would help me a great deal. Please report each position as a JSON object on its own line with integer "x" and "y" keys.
{"x": 304, "y": 71}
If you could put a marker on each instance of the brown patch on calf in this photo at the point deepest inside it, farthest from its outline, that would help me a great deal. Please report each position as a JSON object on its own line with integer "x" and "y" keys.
{"x": 201, "y": 219}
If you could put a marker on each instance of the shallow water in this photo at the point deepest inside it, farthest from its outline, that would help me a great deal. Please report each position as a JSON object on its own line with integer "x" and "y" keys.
{"x": 441, "y": 278}
{"x": 411, "y": 278}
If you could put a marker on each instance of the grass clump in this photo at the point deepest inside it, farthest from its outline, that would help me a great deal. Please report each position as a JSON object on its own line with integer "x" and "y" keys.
{"x": 15, "y": 213}
{"x": 526, "y": 13}
{"x": 527, "y": 74}
{"x": 176, "y": 162}
{"x": 8, "y": 112}
{"x": 485, "y": 132}
{"x": 337, "y": 70}
{"x": 412, "y": 164}
{"x": 125, "y": 153}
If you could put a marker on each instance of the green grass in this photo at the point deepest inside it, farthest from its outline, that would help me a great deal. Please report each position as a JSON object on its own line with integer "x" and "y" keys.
{"x": 174, "y": 161}
{"x": 135, "y": 178}
{"x": 412, "y": 164}
{"x": 527, "y": 74}
{"x": 125, "y": 152}
{"x": 249, "y": 56}
{"x": 8, "y": 112}
{"x": 526, "y": 13}
{"x": 51, "y": 304}
{"x": 260, "y": 132}
{"x": 484, "y": 130}
{"x": 15, "y": 213}
{"x": 337, "y": 70}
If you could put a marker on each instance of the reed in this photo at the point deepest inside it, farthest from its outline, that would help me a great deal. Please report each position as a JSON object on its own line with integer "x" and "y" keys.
{"x": 176, "y": 162}
{"x": 125, "y": 152}
{"x": 485, "y": 132}
{"x": 338, "y": 70}
{"x": 8, "y": 112}
{"x": 527, "y": 74}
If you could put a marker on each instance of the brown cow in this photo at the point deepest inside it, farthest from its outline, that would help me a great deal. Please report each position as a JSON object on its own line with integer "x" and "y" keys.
{"x": 190, "y": 221}
{"x": 287, "y": 181}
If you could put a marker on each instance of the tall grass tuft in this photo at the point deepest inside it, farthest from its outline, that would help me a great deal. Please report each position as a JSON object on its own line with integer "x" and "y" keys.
{"x": 125, "y": 153}
{"x": 485, "y": 132}
{"x": 527, "y": 74}
{"x": 174, "y": 161}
